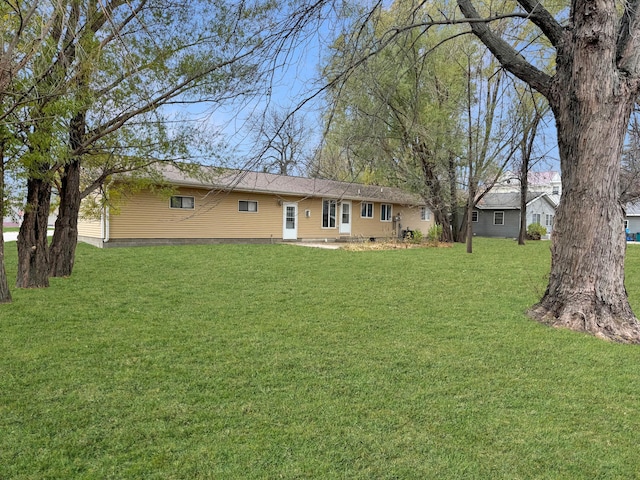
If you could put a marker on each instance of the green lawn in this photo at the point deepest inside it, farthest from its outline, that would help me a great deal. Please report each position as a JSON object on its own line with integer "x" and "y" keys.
{"x": 276, "y": 361}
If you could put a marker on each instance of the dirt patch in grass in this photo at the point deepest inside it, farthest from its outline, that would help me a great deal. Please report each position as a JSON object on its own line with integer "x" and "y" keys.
{"x": 390, "y": 245}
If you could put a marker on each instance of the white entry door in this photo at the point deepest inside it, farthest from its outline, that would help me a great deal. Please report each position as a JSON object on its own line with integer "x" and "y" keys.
{"x": 289, "y": 221}
{"x": 345, "y": 218}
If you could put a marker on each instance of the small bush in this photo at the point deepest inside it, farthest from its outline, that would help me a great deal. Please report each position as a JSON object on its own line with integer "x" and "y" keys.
{"x": 535, "y": 231}
{"x": 417, "y": 237}
{"x": 435, "y": 233}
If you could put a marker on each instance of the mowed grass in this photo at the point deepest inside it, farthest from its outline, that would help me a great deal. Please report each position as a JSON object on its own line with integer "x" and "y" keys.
{"x": 277, "y": 361}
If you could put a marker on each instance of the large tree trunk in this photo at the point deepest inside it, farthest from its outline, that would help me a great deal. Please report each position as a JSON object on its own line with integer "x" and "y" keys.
{"x": 33, "y": 250}
{"x": 62, "y": 250}
{"x": 592, "y": 103}
{"x": 435, "y": 193}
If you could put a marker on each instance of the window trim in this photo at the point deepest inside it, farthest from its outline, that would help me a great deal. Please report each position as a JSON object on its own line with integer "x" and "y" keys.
{"x": 329, "y": 202}
{"x": 388, "y": 207}
{"x": 247, "y": 202}
{"x": 494, "y": 218}
{"x": 364, "y": 205}
{"x": 181, "y": 207}
{"x": 548, "y": 220}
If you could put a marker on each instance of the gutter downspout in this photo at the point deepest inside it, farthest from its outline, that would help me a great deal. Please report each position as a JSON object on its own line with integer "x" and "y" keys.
{"x": 105, "y": 224}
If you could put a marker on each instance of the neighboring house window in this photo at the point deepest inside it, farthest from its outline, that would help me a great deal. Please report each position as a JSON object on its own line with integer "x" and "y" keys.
{"x": 626, "y": 225}
{"x": 182, "y": 202}
{"x": 498, "y": 218}
{"x": 328, "y": 214}
{"x": 425, "y": 214}
{"x": 535, "y": 218}
{"x": 385, "y": 212}
{"x": 549, "y": 220}
{"x": 474, "y": 216}
{"x": 366, "y": 210}
{"x": 556, "y": 190}
{"x": 247, "y": 206}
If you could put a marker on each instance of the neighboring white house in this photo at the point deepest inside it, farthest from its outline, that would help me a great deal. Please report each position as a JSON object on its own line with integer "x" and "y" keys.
{"x": 548, "y": 182}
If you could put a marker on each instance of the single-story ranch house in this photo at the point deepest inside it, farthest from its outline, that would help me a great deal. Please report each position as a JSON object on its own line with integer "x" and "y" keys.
{"x": 256, "y": 207}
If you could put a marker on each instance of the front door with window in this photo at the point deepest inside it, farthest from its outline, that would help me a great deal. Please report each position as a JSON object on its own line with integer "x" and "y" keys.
{"x": 289, "y": 221}
{"x": 345, "y": 218}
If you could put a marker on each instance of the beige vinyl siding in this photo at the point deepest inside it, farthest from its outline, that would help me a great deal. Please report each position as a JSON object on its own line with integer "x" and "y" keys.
{"x": 146, "y": 215}
{"x": 216, "y": 215}
{"x": 89, "y": 228}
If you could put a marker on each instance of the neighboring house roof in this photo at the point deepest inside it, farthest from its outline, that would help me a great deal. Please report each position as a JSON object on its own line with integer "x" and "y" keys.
{"x": 509, "y": 201}
{"x": 259, "y": 182}
{"x": 543, "y": 178}
{"x": 510, "y": 181}
{"x": 632, "y": 209}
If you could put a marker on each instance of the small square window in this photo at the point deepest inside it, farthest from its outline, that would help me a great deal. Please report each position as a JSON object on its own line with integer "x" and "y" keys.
{"x": 178, "y": 201}
{"x": 247, "y": 206}
{"x": 498, "y": 218}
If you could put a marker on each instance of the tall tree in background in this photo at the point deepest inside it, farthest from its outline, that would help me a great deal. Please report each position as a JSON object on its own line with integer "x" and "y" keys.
{"x": 488, "y": 132}
{"x": 282, "y": 139}
{"x": 399, "y": 111}
{"x": 529, "y": 113}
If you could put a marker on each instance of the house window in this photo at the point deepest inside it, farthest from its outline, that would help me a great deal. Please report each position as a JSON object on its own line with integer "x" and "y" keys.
{"x": 535, "y": 218}
{"x": 328, "y": 214}
{"x": 498, "y": 218}
{"x": 626, "y": 225}
{"x": 385, "y": 212}
{"x": 366, "y": 210}
{"x": 178, "y": 201}
{"x": 474, "y": 216}
{"x": 549, "y": 220}
{"x": 556, "y": 190}
{"x": 425, "y": 214}
{"x": 247, "y": 206}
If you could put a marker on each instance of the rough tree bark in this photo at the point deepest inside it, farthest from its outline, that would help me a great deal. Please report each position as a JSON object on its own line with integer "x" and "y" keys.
{"x": 65, "y": 237}
{"x": 591, "y": 95}
{"x": 33, "y": 250}
{"x": 62, "y": 251}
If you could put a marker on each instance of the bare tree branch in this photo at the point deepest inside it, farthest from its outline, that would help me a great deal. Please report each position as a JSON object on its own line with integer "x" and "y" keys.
{"x": 543, "y": 20}
{"x": 505, "y": 53}
{"x": 628, "y": 47}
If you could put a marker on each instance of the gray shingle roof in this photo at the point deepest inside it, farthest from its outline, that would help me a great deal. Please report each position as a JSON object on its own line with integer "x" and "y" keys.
{"x": 505, "y": 201}
{"x": 259, "y": 182}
